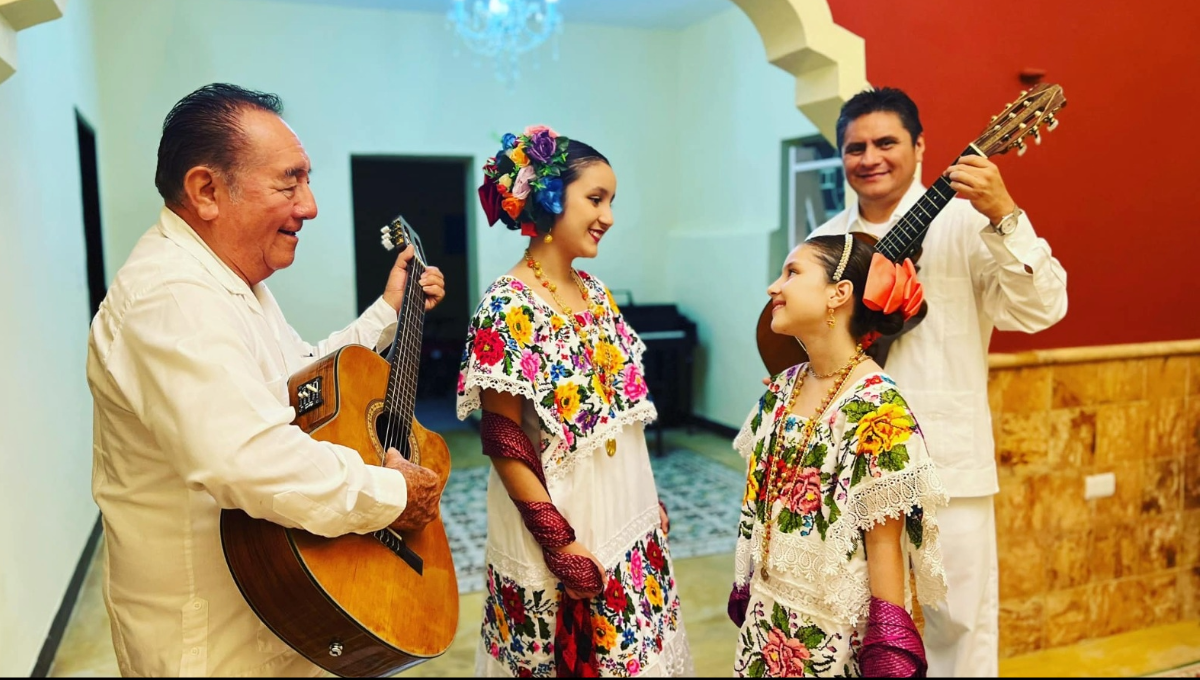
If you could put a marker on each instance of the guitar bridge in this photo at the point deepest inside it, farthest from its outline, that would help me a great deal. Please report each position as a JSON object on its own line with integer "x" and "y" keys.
{"x": 308, "y": 396}
{"x": 395, "y": 542}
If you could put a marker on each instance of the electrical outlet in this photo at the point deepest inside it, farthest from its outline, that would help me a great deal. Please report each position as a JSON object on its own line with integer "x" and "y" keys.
{"x": 1102, "y": 485}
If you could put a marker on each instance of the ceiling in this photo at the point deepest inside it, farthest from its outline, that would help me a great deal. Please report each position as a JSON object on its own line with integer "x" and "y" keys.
{"x": 655, "y": 14}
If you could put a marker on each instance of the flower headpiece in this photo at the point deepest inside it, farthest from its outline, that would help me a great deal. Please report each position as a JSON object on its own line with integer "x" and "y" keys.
{"x": 522, "y": 185}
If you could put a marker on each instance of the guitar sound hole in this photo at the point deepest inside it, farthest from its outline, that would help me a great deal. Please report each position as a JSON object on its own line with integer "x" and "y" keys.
{"x": 391, "y": 434}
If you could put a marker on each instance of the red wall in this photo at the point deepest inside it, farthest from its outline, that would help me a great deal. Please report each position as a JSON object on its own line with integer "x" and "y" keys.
{"x": 1116, "y": 188}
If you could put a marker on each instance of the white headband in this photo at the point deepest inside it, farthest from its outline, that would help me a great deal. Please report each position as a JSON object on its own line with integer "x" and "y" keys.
{"x": 837, "y": 275}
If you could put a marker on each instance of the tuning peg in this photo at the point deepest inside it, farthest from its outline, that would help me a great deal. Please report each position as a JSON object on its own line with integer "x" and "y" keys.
{"x": 993, "y": 119}
{"x": 1037, "y": 136}
{"x": 1021, "y": 148}
{"x": 1024, "y": 92}
{"x": 1052, "y": 122}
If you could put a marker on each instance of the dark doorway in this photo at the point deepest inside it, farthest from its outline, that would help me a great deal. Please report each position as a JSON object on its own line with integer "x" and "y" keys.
{"x": 431, "y": 194}
{"x": 89, "y": 176}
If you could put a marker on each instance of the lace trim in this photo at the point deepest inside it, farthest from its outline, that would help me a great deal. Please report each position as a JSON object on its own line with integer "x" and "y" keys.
{"x": 531, "y": 575}
{"x": 561, "y": 462}
{"x": 891, "y": 496}
{"x": 635, "y": 530}
{"x": 824, "y": 565}
{"x": 565, "y": 461}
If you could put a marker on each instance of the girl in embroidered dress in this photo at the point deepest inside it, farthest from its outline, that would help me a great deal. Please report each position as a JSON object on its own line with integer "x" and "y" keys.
{"x": 840, "y": 491}
{"x": 579, "y": 577}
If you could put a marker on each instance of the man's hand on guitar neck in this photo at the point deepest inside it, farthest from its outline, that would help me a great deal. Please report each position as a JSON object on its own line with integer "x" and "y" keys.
{"x": 424, "y": 492}
{"x": 978, "y": 180}
{"x": 432, "y": 282}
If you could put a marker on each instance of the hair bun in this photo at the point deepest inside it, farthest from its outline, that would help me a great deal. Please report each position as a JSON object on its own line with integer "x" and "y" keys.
{"x": 522, "y": 185}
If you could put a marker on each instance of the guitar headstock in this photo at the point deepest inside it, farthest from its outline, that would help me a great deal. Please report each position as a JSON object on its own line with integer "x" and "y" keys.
{"x": 398, "y": 233}
{"x": 1022, "y": 119}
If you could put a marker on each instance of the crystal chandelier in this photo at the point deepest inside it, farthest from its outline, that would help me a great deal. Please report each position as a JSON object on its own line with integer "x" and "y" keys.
{"x": 505, "y": 29}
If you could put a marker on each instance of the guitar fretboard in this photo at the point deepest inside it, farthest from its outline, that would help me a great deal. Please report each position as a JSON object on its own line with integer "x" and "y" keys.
{"x": 405, "y": 359}
{"x": 905, "y": 238}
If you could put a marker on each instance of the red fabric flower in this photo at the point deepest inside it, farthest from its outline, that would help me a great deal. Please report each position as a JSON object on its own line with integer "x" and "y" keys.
{"x": 528, "y": 229}
{"x": 488, "y": 346}
{"x": 614, "y": 595}
{"x": 654, "y": 554}
{"x": 514, "y": 607}
{"x": 491, "y": 200}
{"x": 892, "y": 286}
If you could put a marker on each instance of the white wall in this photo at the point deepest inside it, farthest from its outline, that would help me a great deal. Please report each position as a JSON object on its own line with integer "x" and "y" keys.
{"x": 376, "y": 81}
{"x": 740, "y": 110}
{"x": 692, "y": 121}
{"x": 46, "y": 508}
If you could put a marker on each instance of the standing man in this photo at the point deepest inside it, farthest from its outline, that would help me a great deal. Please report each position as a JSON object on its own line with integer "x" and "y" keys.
{"x": 188, "y": 362}
{"x": 983, "y": 268}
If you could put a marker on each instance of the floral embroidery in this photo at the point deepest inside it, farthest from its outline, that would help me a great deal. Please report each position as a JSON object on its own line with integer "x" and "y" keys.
{"x": 519, "y": 325}
{"x": 865, "y": 461}
{"x": 630, "y": 623}
{"x": 489, "y": 347}
{"x": 583, "y": 392}
{"x": 787, "y": 645}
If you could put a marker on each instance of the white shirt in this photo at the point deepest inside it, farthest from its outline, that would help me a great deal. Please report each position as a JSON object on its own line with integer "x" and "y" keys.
{"x": 975, "y": 280}
{"x": 188, "y": 367}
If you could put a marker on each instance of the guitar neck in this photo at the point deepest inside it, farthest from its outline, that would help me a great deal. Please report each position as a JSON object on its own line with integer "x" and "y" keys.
{"x": 405, "y": 356}
{"x": 905, "y": 238}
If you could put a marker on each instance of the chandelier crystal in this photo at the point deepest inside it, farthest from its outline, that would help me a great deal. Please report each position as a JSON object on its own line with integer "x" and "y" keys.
{"x": 505, "y": 29}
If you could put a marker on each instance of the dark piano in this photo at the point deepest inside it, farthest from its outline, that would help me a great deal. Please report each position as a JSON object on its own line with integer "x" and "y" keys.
{"x": 670, "y": 341}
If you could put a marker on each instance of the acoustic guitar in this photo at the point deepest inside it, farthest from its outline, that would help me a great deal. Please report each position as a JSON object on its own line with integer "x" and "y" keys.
{"x": 1011, "y": 128}
{"x": 357, "y": 605}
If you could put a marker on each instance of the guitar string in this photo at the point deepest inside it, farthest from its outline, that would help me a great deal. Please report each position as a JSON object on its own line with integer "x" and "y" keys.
{"x": 402, "y": 380}
{"x": 396, "y": 382}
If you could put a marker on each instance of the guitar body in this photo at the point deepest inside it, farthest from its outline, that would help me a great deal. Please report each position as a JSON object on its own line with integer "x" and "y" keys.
{"x": 355, "y": 605}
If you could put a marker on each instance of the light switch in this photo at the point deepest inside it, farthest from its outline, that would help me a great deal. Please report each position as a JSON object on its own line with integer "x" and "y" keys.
{"x": 1102, "y": 485}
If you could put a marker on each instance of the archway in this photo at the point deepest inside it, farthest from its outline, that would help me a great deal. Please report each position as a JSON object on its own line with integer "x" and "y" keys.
{"x": 828, "y": 61}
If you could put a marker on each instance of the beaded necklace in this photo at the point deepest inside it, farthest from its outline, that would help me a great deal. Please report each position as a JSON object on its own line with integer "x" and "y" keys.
{"x": 598, "y": 312}
{"x": 774, "y": 486}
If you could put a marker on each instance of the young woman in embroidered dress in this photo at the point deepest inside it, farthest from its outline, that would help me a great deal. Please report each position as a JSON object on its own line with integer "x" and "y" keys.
{"x": 579, "y": 577}
{"x": 840, "y": 493}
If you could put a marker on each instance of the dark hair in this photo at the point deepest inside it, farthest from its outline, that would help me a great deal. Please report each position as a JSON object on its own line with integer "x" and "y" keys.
{"x": 884, "y": 99}
{"x": 579, "y": 156}
{"x": 863, "y": 320}
{"x": 204, "y": 128}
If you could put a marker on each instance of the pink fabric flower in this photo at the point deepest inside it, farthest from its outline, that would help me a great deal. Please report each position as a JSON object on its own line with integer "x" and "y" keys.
{"x": 534, "y": 129}
{"x": 633, "y": 666}
{"x": 521, "y": 185}
{"x": 623, "y": 331}
{"x": 803, "y": 495}
{"x": 635, "y": 384}
{"x": 462, "y": 385}
{"x": 785, "y": 656}
{"x": 517, "y": 285}
{"x": 531, "y": 365}
{"x": 635, "y": 570}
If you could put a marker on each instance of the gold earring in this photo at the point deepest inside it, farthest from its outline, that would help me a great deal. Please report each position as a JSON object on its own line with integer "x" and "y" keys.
{"x": 832, "y": 321}
{"x": 548, "y": 239}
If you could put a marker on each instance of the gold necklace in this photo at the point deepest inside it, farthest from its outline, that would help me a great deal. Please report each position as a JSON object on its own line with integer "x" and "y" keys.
{"x": 773, "y": 490}
{"x": 598, "y": 312}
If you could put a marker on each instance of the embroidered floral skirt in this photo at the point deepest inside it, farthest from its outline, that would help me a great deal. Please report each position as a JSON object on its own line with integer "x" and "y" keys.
{"x": 613, "y": 506}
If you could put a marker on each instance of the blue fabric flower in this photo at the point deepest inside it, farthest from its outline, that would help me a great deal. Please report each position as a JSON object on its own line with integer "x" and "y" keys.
{"x": 557, "y": 372}
{"x": 508, "y": 141}
{"x": 628, "y": 637}
{"x": 550, "y": 197}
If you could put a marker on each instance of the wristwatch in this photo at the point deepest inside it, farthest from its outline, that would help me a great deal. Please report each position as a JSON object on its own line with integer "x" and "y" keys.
{"x": 1008, "y": 223}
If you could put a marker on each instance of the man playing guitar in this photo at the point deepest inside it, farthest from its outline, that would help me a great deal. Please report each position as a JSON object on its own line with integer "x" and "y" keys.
{"x": 983, "y": 268}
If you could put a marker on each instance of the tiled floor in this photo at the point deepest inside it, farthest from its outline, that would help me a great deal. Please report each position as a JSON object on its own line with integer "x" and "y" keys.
{"x": 86, "y": 649}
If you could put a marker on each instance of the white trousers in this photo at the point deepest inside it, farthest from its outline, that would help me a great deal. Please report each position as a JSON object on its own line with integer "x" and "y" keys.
{"x": 962, "y": 636}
